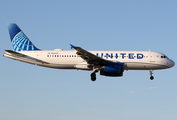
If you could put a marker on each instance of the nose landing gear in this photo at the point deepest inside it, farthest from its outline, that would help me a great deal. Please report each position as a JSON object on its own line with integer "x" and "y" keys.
{"x": 152, "y": 77}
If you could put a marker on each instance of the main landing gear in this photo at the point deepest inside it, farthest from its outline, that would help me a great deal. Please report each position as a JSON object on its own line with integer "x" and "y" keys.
{"x": 152, "y": 77}
{"x": 93, "y": 74}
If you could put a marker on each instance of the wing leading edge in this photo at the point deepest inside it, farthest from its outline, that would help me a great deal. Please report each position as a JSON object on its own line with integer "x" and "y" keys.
{"x": 90, "y": 58}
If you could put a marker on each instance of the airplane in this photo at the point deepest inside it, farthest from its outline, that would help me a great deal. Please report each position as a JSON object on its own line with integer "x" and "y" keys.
{"x": 108, "y": 63}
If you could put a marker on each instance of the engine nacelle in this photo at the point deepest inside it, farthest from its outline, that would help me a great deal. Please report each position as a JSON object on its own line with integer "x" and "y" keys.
{"x": 112, "y": 69}
{"x": 108, "y": 71}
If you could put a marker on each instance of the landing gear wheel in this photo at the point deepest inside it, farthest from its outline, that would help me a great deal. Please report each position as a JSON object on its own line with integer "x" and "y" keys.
{"x": 93, "y": 76}
{"x": 151, "y": 72}
{"x": 151, "y": 77}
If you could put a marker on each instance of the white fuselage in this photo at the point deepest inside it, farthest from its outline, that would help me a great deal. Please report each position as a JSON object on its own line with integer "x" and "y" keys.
{"x": 61, "y": 59}
{"x": 108, "y": 63}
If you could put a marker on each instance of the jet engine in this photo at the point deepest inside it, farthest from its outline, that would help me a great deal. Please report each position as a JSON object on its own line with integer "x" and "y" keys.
{"x": 112, "y": 69}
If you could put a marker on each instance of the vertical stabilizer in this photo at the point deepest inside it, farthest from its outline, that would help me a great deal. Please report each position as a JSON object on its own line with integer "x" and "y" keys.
{"x": 20, "y": 41}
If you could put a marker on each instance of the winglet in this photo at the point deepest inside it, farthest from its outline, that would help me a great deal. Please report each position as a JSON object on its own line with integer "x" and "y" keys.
{"x": 72, "y": 46}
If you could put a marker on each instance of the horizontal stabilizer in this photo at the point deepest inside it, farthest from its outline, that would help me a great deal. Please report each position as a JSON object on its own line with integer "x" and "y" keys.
{"x": 15, "y": 53}
{"x": 22, "y": 56}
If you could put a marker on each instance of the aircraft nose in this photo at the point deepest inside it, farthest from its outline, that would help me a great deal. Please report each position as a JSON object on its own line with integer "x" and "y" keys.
{"x": 172, "y": 63}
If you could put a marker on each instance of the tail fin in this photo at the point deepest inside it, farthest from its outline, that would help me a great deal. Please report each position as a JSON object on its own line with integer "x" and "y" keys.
{"x": 19, "y": 40}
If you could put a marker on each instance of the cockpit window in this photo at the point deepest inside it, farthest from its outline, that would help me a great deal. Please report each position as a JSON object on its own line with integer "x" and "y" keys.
{"x": 164, "y": 56}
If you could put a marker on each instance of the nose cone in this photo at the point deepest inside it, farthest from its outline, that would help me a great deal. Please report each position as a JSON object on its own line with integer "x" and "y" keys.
{"x": 171, "y": 63}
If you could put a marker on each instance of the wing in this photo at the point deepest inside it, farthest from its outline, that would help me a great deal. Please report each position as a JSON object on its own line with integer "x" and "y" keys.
{"x": 25, "y": 57}
{"x": 89, "y": 57}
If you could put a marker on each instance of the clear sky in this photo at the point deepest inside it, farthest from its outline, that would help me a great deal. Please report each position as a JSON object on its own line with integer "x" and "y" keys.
{"x": 29, "y": 92}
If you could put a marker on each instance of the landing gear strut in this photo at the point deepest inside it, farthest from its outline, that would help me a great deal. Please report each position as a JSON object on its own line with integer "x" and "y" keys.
{"x": 152, "y": 77}
{"x": 93, "y": 74}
